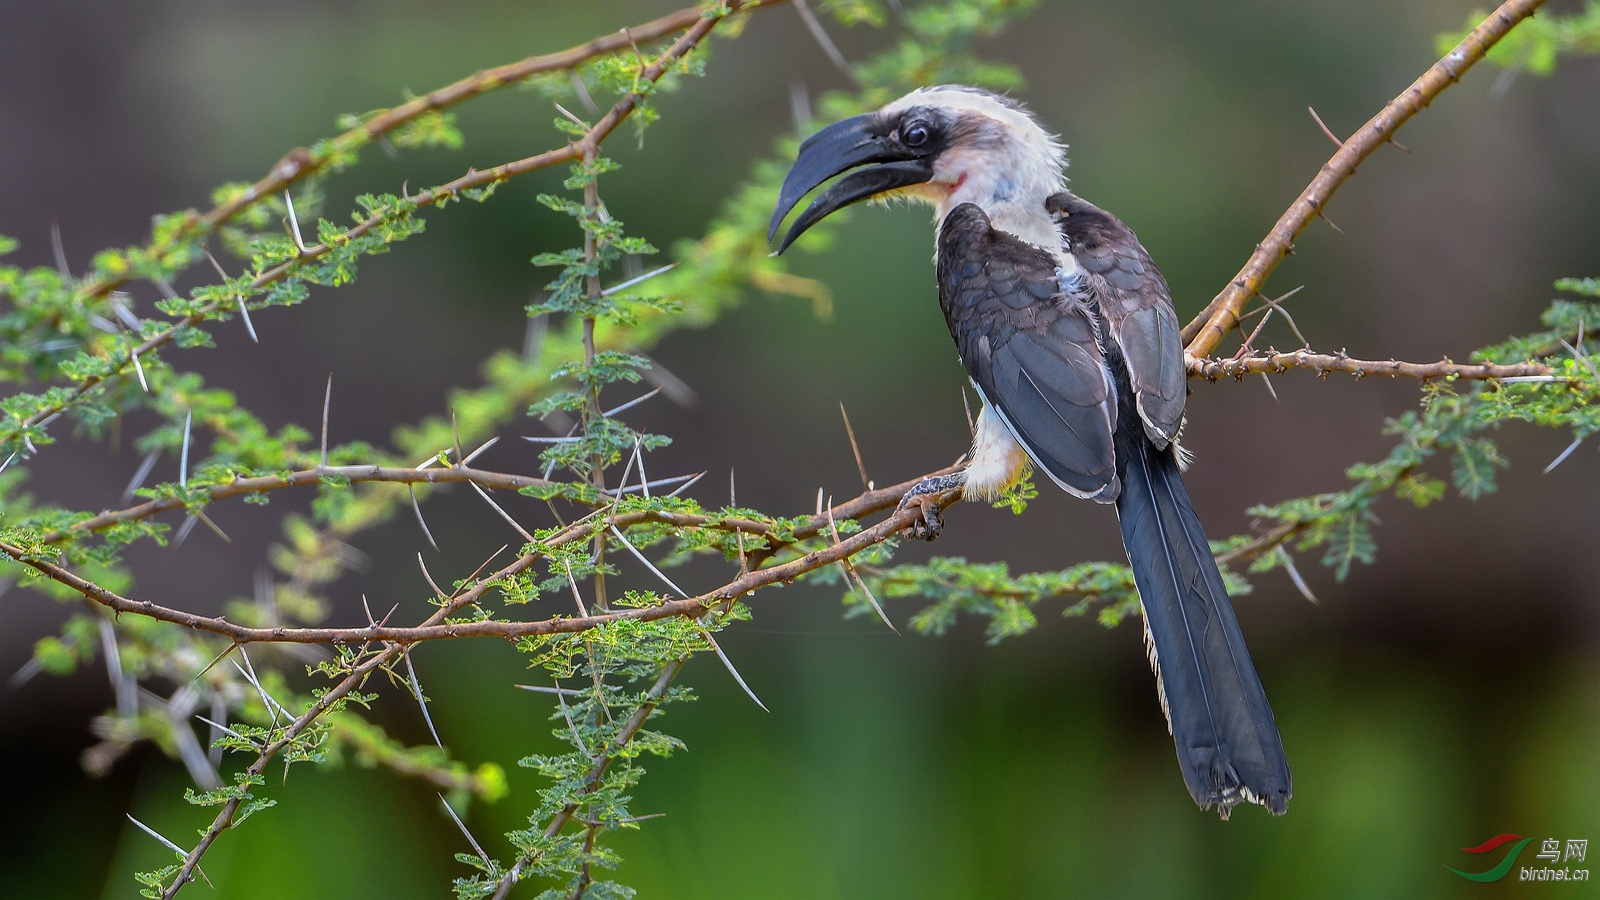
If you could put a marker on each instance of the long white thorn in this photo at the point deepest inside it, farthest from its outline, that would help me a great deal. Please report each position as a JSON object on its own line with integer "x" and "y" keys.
{"x": 850, "y": 572}
{"x": 219, "y": 710}
{"x": 244, "y": 312}
{"x": 121, "y": 684}
{"x": 249, "y": 326}
{"x": 219, "y": 728}
{"x": 416, "y": 691}
{"x": 1294, "y": 576}
{"x": 170, "y": 845}
{"x": 728, "y": 663}
{"x": 482, "y": 447}
{"x": 417, "y": 508}
{"x": 638, "y": 280}
{"x": 539, "y": 688}
{"x": 649, "y": 565}
{"x": 327, "y": 405}
{"x": 829, "y": 49}
{"x": 249, "y": 671}
{"x": 634, "y": 402}
{"x": 184, "y": 530}
{"x": 61, "y": 261}
{"x": 1563, "y": 457}
{"x": 503, "y": 514}
{"x": 582, "y": 90}
{"x": 659, "y": 482}
{"x": 138, "y": 369}
{"x": 470, "y": 839}
{"x": 577, "y": 596}
{"x": 183, "y": 460}
{"x": 294, "y": 224}
{"x": 428, "y": 576}
{"x": 141, "y": 474}
{"x": 799, "y": 105}
{"x": 206, "y": 521}
{"x": 686, "y": 485}
{"x": 638, "y": 455}
{"x": 1270, "y": 389}
{"x": 573, "y": 728}
{"x": 157, "y": 835}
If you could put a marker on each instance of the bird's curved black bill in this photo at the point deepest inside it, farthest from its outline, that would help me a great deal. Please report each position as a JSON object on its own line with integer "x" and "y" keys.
{"x": 842, "y": 146}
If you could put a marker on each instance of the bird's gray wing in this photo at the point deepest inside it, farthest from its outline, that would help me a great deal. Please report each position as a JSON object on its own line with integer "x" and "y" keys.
{"x": 1031, "y": 349}
{"x": 1136, "y": 304}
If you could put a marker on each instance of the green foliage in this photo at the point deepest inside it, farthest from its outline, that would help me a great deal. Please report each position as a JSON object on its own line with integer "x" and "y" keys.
{"x": 989, "y": 590}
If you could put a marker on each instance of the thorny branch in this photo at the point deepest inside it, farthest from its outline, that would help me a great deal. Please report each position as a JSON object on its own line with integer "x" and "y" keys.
{"x": 396, "y": 640}
{"x": 585, "y": 146}
{"x": 300, "y": 163}
{"x": 598, "y": 523}
{"x": 474, "y": 178}
{"x": 1274, "y": 362}
{"x": 1206, "y": 330}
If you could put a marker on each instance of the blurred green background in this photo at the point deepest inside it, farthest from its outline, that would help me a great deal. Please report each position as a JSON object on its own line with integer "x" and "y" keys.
{"x": 1445, "y": 695}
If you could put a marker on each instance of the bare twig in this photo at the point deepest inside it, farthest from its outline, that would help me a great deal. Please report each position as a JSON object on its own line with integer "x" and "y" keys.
{"x": 1273, "y": 362}
{"x": 1204, "y": 333}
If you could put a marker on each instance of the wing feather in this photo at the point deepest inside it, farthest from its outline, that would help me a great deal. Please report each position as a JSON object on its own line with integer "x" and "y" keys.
{"x": 1136, "y": 304}
{"x": 1032, "y": 350}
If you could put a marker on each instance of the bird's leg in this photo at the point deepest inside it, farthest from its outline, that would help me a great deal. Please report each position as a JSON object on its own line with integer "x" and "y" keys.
{"x": 994, "y": 463}
{"x": 925, "y": 497}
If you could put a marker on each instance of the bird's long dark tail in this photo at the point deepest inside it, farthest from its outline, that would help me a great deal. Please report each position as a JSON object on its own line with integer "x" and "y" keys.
{"x": 1228, "y": 743}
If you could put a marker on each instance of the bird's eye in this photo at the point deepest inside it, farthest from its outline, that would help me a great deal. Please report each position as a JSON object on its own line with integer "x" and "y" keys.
{"x": 914, "y": 134}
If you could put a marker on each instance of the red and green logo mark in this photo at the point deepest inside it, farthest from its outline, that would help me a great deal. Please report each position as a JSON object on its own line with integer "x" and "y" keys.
{"x": 1504, "y": 868}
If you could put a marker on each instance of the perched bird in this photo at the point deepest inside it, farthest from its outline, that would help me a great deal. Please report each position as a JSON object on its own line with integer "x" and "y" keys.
{"x": 1067, "y": 330}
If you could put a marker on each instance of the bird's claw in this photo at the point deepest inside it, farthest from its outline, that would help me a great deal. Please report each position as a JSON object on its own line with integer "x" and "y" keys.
{"x": 924, "y": 497}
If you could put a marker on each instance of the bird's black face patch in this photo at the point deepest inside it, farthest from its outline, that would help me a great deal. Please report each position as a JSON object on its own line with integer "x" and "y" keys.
{"x": 897, "y": 150}
{"x": 920, "y": 130}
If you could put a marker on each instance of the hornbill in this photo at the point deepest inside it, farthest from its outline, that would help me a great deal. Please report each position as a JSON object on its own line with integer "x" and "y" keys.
{"x": 1067, "y": 330}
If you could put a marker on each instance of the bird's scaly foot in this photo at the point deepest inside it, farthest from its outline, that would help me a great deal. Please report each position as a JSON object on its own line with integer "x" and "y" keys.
{"x": 928, "y": 525}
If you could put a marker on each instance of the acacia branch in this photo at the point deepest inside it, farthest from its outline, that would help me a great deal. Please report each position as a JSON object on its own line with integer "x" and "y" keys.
{"x": 432, "y": 629}
{"x": 1274, "y": 362}
{"x": 224, "y": 819}
{"x": 300, "y": 163}
{"x": 1206, "y": 330}
{"x": 435, "y": 628}
{"x": 474, "y": 178}
{"x": 262, "y": 484}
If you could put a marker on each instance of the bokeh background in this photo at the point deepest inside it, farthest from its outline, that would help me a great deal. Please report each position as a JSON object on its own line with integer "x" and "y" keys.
{"x": 1444, "y": 695}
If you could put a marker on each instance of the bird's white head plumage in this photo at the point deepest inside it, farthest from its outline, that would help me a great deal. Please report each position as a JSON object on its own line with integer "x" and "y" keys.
{"x": 944, "y": 145}
{"x": 998, "y": 157}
